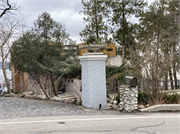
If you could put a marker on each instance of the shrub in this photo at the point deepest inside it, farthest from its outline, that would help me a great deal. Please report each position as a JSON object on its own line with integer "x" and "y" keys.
{"x": 142, "y": 97}
{"x": 4, "y": 93}
{"x": 17, "y": 92}
{"x": 117, "y": 98}
{"x": 145, "y": 98}
{"x": 171, "y": 98}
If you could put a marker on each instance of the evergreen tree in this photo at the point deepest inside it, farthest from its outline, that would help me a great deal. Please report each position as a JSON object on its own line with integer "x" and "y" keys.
{"x": 40, "y": 51}
{"x": 152, "y": 24}
{"x": 173, "y": 10}
{"x": 122, "y": 10}
{"x": 94, "y": 12}
{"x": 161, "y": 20}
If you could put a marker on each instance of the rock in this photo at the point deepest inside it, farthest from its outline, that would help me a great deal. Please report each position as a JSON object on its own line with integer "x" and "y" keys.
{"x": 33, "y": 97}
{"x": 62, "y": 100}
{"x": 126, "y": 89}
{"x": 26, "y": 93}
{"x": 109, "y": 105}
{"x": 30, "y": 92}
{"x": 136, "y": 95}
{"x": 147, "y": 105}
{"x": 43, "y": 97}
{"x": 126, "y": 105}
{"x": 27, "y": 96}
{"x": 132, "y": 94}
{"x": 115, "y": 102}
{"x": 108, "y": 99}
{"x": 19, "y": 95}
{"x": 127, "y": 108}
{"x": 55, "y": 98}
{"x": 70, "y": 101}
{"x": 74, "y": 102}
{"x": 15, "y": 95}
{"x": 7, "y": 95}
{"x": 79, "y": 102}
{"x": 121, "y": 103}
{"x": 134, "y": 107}
{"x": 141, "y": 107}
{"x": 114, "y": 107}
{"x": 118, "y": 109}
{"x": 12, "y": 94}
{"x": 39, "y": 96}
{"x": 66, "y": 101}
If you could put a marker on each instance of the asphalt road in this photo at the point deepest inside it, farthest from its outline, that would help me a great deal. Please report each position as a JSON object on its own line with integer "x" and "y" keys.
{"x": 143, "y": 123}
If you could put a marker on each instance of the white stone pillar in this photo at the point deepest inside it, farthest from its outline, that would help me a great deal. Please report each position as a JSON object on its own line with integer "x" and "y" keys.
{"x": 93, "y": 75}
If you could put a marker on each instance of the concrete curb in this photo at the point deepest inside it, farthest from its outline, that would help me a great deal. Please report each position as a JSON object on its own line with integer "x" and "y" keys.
{"x": 161, "y": 108}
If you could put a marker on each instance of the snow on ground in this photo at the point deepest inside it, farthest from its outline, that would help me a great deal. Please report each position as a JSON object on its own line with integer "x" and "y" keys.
{"x": 2, "y": 81}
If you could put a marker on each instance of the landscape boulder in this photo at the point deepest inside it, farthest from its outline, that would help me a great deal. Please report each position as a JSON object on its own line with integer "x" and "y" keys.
{"x": 55, "y": 98}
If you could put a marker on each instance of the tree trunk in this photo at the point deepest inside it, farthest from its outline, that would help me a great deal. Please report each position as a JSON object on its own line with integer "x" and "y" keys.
{"x": 123, "y": 47}
{"x": 174, "y": 50}
{"x": 171, "y": 79}
{"x": 7, "y": 82}
{"x": 97, "y": 30}
{"x": 174, "y": 68}
{"x": 52, "y": 82}
{"x": 157, "y": 62}
{"x": 175, "y": 79}
{"x": 166, "y": 81}
{"x": 43, "y": 88}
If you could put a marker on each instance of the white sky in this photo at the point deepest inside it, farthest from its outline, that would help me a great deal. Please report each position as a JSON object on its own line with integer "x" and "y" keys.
{"x": 66, "y": 11}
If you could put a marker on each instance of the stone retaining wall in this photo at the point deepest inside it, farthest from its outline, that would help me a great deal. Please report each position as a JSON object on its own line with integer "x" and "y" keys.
{"x": 73, "y": 86}
{"x": 128, "y": 98}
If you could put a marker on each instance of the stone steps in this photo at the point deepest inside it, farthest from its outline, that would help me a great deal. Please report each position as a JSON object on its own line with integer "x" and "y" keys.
{"x": 66, "y": 96}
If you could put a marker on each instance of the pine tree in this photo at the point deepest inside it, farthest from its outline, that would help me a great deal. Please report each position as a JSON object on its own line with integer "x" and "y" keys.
{"x": 125, "y": 30}
{"x": 160, "y": 20}
{"x": 173, "y": 10}
{"x": 95, "y": 15}
{"x": 40, "y": 51}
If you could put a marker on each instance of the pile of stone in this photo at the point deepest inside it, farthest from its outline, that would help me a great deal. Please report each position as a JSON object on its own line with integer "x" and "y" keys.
{"x": 70, "y": 101}
{"x": 128, "y": 98}
{"x": 31, "y": 95}
{"x": 113, "y": 104}
{"x": 10, "y": 95}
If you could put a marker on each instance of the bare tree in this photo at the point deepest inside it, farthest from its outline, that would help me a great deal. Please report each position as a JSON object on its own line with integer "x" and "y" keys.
{"x": 9, "y": 30}
{"x": 7, "y": 7}
{"x": 153, "y": 65}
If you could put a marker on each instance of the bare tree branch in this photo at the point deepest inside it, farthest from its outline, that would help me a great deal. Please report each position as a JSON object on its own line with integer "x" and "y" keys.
{"x": 6, "y": 7}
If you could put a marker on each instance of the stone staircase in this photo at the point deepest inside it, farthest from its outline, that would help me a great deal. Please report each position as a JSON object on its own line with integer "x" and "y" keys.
{"x": 66, "y": 96}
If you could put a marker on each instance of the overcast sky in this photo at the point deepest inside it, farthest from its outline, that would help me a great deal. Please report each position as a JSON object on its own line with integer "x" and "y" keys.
{"x": 66, "y": 11}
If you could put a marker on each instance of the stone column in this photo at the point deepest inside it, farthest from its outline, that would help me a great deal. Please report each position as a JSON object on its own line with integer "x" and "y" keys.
{"x": 93, "y": 75}
{"x": 128, "y": 98}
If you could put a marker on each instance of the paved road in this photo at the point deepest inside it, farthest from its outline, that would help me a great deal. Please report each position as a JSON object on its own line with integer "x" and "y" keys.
{"x": 144, "y": 123}
{"x": 20, "y": 107}
{"x": 24, "y": 116}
